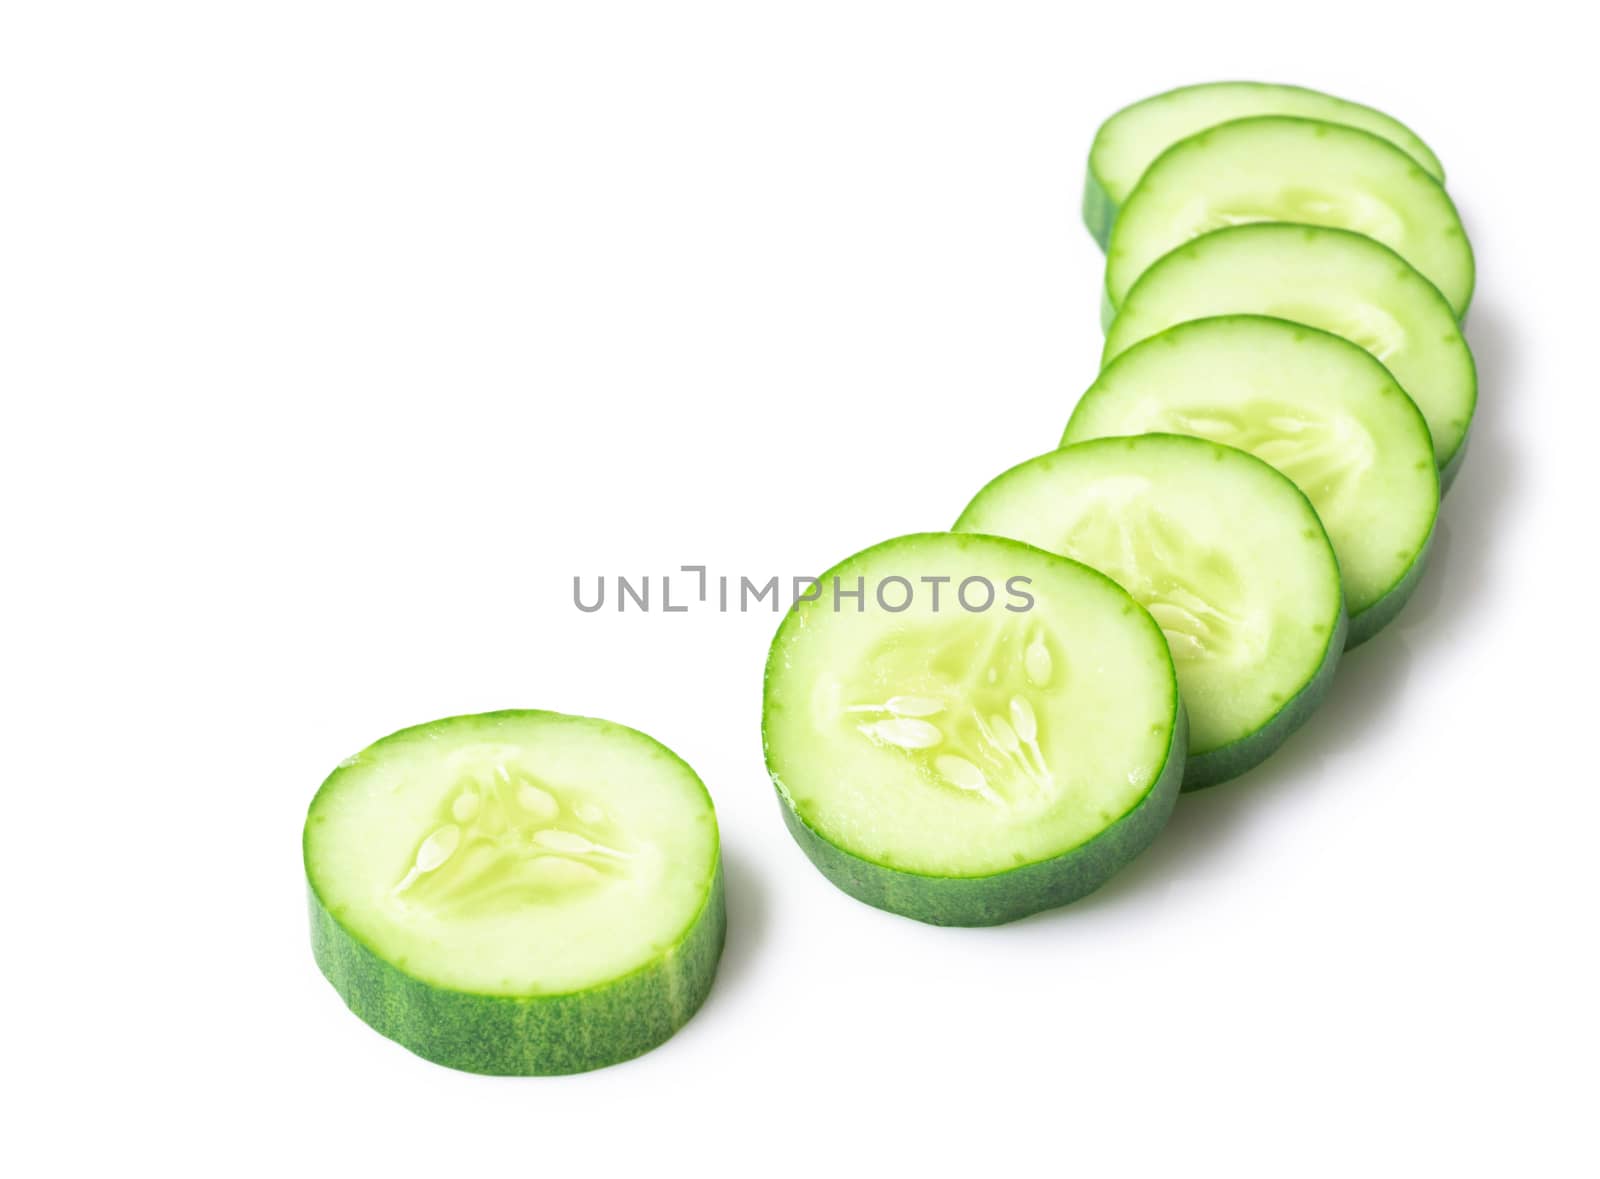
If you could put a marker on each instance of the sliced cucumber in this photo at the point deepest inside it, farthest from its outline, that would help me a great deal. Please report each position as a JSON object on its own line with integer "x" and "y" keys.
{"x": 1130, "y": 139}
{"x": 517, "y": 892}
{"x": 1312, "y": 404}
{"x": 1333, "y": 279}
{"x": 965, "y": 765}
{"x": 1276, "y": 168}
{"x": 1225, "y": 553}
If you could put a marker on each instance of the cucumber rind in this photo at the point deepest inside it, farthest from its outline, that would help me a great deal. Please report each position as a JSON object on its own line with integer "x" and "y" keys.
{"x": 992, "y": 898}
{"x": 1229, "y": 761}
{"x": 999, "y": 897}
{"x": 1383, "y": 611}
{"x": 1197, "y": 140}
{"x": 1100, "y": 208}
{"x": 542, "y": 1035}
{"x": 546, "y": 1034}
{"x": 1452, "y": 467}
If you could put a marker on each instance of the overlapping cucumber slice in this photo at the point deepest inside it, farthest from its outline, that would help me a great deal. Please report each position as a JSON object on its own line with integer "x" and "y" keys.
{"x": 517, "y": 892}
{"x": 1224, "y": 552}
{"x": 1278, "y": 168}
{"x": 1129, "y": 140}
{"x": 1332, "y": 279}
{"x": 965, "y": 765}
{"x": 1312, "y": 404}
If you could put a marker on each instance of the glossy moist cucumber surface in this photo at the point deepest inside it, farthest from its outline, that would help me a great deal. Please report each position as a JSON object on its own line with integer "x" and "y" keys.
{"x": 1312, "y": 404}
{"x": 517, "y": 892}
{"x": 1129, "y": 140}
{"x": 1224, "y": 552}
{"x": 1333, "y": 279}
{"x": 1276, "y": 168}
{"x": 970, "y": 766}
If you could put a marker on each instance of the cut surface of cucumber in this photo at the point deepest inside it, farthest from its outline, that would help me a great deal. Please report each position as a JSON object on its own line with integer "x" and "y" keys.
{"x": 1333, "y": 279}
{"x": 1277, "y": 168}
{"x": 517, "y": 892}
{"x": 1312, "y": 404}
{"x": 1129, "y": 140}
{"x": 1224, "y": 552}
{"x": 970, "y": 766}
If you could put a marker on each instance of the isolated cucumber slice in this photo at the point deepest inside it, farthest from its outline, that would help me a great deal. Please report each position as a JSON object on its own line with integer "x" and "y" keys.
{"x": 1312, "y": 404}
{"x": 1130, "y": 139}
{"x": 1276, "y": 168}
{"x": 517, "y": 892}
{"x": 1333, "y": 279}
{"x": 969, "y": 766}
{"x": 1224, "y": 552}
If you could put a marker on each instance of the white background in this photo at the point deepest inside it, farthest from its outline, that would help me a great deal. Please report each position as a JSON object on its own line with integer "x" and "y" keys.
{"x": 336, "y": 338}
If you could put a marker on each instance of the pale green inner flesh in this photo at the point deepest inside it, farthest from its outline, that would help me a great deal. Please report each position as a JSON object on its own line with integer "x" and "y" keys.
{"x": 1316, "y": 407}
{"x": 517, "y": 855}
{"x": 962, "y": 744}
{"x": 1228, "y": 558}
{"x": 1340, "y": 282}
{"x": 1133, "y": 137}
{"x": 1272, "y": 169}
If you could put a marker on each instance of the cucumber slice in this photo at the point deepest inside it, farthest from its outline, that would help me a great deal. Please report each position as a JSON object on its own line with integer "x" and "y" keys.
{"x": 1333, "y": 279}
{"x": 965, "y": 765}
{"x": 1223, "y": 551}
{"x": 1130, "y": 139}
{"x": 1276, "y": 168}
{"x": 1312, "y": 404}
{"x": 517, "y": 892}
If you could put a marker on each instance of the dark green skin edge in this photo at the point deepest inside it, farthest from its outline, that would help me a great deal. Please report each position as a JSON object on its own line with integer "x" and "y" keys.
{"x": 540, "y": 1035}
{"x": 1378, "y": 615}
{"x": 1099, "y": 211}
{"x": 1447, "y": 473}
{"x": 1108, "y": 309}
{"x": 1231, "y": 760}
{"x": 1003, "y": 896}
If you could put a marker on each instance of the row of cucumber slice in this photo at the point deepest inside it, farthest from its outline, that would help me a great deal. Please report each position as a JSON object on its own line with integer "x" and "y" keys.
{"x": 1285, "y": 390}
{"x": 1248, "y": 488}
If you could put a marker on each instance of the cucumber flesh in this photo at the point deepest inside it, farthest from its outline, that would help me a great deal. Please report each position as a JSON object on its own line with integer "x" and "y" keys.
{"x": 1333, "y": 279}
{"x": 517, "y": 892}
{"x": 1276, "y": 168}
{"x": 1224, "y": 552}
{"x": 1129, "y": 140}
{"x": 967, "y": 767}
{"x": 1312, "y": 404}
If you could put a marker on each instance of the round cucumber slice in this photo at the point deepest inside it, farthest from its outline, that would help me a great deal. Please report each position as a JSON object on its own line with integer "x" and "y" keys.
{"x": 1130, "y": 139}
{"x": 965, "y": 765}
{"x": 517, "y": 892}
{"x": 1277, "y": 168}
{"x": 1224, "y": 552}
{"x": 1333, "y": 279}
{"x": 1312, "y": 404}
